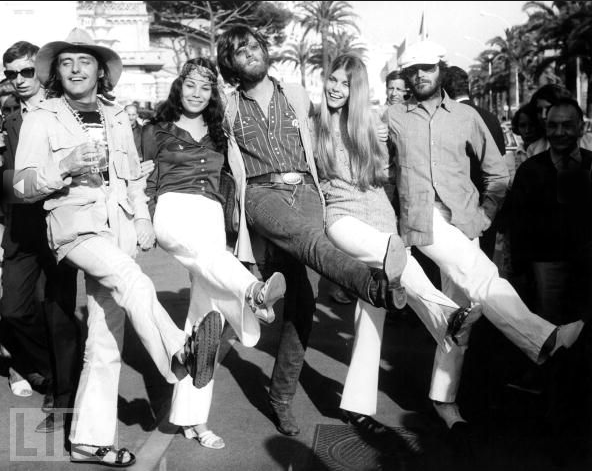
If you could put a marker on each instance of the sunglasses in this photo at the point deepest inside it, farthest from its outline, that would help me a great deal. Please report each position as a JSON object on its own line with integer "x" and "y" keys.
{"x": 27, "y": 72}
{"x": 429, "y": 68}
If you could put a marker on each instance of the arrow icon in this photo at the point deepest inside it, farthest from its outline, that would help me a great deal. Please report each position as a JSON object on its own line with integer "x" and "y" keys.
{"x": 20, "y": 186}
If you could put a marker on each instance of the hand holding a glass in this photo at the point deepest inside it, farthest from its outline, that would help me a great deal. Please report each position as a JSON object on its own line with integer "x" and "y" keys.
{"x": 80, "y": 161}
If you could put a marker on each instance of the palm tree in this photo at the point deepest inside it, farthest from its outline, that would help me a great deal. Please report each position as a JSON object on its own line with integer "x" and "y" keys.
{"x": 516, "y": 52}
{"x": 343, "y": 43}
{"x": 563, "y": 33}
{"x": 301, "y": 55}
{"x": 324, "y": 18}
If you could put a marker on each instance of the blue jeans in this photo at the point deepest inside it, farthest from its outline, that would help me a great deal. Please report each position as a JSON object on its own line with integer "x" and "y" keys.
{"x": 291, "y": 217}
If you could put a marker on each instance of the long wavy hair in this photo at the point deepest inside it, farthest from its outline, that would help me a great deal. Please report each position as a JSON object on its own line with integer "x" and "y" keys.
{"x": 54, "y": 88}
{"x": 367, "y": 156}
{"x": 171, "y": 109}
{"x": 229, "y": 42}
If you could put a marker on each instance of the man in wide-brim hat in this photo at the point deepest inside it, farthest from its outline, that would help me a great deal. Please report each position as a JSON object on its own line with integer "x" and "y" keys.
{"x": 78, "y": 152}
{"x": 79, "y": 40}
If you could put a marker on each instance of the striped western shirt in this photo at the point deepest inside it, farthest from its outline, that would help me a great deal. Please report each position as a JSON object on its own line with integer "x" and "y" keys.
{"x": 269, "y": 144}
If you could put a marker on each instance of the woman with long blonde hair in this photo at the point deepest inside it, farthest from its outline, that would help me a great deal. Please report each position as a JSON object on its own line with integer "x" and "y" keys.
{"x": 362, "y": 222}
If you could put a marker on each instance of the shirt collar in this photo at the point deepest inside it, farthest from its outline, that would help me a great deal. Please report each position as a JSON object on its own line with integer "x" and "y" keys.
{"x": 446, "y": 103}
{"x": 276, "y": 86}
{"x": 25, "y": 109}
{"x": 557, "y": 158}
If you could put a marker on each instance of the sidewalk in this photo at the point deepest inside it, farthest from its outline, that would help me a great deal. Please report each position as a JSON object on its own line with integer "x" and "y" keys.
{"x": 502, "y": 439}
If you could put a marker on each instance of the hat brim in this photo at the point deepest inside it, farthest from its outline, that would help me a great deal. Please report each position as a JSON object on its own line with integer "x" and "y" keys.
{"x": 48, "y": 53}
{"x": 420, "y": 61}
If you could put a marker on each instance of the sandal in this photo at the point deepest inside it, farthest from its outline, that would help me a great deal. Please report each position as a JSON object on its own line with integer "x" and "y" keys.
{"x": 262, "y": 296}
{"x": 207, "y": 439}
{"x": 19, "y": 385}
{"x": 80, "y": 455}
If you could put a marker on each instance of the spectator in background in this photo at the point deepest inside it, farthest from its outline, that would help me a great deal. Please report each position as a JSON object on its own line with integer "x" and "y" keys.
{"x": 132, "y": 114}
{"x": 396, "y": 89}
{"x": 550, "y": 229}
{"x": 542, "y": 100}
{"x": 48, "y": 341}
{"x": 551, "y": 217}
{"x": 526, "y": 125}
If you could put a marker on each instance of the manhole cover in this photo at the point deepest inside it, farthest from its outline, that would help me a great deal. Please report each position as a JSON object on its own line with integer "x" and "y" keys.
{"x": 342, "y": 448}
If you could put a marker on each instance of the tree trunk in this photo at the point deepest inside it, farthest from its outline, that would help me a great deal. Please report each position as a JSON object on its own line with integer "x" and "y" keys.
{"x": 324, "y": 44}
{"x": 303, "y": 74}
{"x": 212, "y": 44}
{"x": 571, "y": 76}
{"x": 512, "y": 84}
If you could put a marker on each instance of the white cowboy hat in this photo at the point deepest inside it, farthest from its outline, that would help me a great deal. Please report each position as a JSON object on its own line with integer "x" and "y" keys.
{"x": 78, "y": 38}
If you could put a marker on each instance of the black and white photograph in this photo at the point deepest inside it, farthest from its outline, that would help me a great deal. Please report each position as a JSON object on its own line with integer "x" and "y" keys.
{"x": 296, "y": 235}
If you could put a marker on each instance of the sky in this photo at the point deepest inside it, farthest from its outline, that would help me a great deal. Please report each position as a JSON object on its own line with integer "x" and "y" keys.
{"x": 461, "y": 27}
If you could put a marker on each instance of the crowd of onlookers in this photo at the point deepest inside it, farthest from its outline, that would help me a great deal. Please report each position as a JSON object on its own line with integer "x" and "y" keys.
{"x": 417, "y": 205}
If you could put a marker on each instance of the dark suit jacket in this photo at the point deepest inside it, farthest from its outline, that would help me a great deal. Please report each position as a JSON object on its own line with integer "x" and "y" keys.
{"x": 25, "y": 223}
{"x": 551, "y": 211}
{"x": 137, "y": 132}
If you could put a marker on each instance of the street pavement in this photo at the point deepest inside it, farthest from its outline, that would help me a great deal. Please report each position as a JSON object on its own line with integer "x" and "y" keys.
{"x": 508, "y": 429}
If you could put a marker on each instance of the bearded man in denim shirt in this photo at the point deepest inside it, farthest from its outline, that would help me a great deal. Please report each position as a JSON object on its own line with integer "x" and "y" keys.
{"x": 441, "y": 213}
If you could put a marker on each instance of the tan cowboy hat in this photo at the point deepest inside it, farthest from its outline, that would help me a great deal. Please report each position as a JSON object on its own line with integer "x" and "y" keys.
{"x": 78, "y": 38}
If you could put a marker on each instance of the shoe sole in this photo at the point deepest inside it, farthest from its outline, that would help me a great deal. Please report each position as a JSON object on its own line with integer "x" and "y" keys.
{"x": 395, "y": 259}
{"x": 205, "y": 342}
{"x": 276, "y": 288}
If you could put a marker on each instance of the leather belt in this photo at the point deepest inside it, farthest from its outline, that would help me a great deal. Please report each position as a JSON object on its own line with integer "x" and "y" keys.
{"x": 289, "y": 178}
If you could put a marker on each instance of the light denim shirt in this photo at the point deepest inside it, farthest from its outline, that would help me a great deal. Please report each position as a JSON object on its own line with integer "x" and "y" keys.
{"x": 431, "y": 156}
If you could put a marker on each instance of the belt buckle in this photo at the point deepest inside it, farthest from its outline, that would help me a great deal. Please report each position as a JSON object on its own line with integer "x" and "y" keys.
{"x": 291, "y": 178}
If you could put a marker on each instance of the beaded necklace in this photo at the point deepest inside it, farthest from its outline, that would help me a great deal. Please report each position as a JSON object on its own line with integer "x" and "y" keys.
{"x": 86, "y": 128}
{"x": 82, "y": 124}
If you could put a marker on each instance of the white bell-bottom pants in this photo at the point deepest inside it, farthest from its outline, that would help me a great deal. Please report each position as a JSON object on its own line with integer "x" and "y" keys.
{"x": 369, "y": 245}
{"x": 191, "y": 229}
{"x": 467, "y": 274}
{"x": 115, "y": 285}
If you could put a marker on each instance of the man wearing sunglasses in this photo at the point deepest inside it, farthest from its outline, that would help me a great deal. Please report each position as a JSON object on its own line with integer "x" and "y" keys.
{"x": 48, "y": 340}
{"x": 442, "y": 214}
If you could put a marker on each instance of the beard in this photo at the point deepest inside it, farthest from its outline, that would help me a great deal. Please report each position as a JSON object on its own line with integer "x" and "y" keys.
{"x": 255, "y": 73}
{"x": 427, "y": 92}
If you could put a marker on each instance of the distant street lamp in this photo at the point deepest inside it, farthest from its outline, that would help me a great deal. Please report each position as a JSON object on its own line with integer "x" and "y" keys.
{"x": 489, "y": 60}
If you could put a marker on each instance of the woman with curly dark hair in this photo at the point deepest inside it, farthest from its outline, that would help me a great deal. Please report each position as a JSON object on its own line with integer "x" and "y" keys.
{"x": 188, "y": 145}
